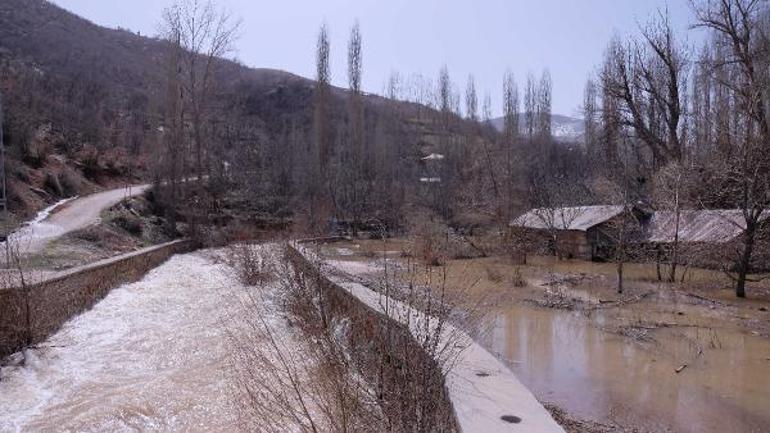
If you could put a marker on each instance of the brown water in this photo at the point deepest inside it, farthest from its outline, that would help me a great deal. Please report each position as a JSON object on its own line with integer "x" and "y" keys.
{"x": 599, "y": 375}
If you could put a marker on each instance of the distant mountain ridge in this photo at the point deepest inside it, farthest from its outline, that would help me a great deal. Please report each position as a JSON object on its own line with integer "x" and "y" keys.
{"x": 563, "y": 128}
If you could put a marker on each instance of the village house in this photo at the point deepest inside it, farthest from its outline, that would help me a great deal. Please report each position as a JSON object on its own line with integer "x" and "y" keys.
{"x": 590, "y": 232}
{"x": 703, "y": 236}
{"x": 582, "y": 232}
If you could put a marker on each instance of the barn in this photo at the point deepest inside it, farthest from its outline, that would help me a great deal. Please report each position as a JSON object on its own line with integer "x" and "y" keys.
{"x": 582, "y": 232}
{"x": 591, "y": 233}
{"x": 703, "y": 236}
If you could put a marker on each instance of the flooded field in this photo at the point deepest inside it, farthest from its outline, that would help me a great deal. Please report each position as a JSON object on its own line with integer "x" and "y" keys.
{"x": 656, "y": 358}
{"x": 593, "y": 374}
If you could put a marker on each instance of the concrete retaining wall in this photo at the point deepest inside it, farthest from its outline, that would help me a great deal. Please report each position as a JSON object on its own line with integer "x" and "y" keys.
{"x": 55, "y": 300}
{"x": 408, "y": 367}
{"x": 483, "y": 393}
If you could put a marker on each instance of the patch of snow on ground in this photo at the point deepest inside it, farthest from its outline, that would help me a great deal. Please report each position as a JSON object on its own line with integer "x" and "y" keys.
{"x": 354, "y": 268}
{"x": 36, "y": 227}
{"x": 345, "y": 252}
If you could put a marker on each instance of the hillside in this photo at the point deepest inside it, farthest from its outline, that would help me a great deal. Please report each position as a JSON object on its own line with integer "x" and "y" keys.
{"x": 564, "y": 128}
{"x": 82, "y": 102}
{"x": 84, "y": 106}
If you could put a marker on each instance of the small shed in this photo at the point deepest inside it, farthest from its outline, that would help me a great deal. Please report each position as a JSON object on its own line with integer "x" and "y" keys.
{"x": 704, "y": 236}
{"x": 572, "y": 232}
{"x": 696, "y": 226}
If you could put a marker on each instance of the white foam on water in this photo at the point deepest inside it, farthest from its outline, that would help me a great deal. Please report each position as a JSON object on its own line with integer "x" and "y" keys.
{"x": 151, "y": 356}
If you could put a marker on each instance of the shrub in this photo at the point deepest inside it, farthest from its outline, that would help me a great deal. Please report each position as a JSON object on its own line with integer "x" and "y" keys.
{"x": 518, "y": 280}
{"x": 494, "y": 275}
{"x": 249, "y": 264}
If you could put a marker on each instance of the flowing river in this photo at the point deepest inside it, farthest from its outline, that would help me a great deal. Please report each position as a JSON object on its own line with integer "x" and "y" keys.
{"x": 152, "y": 356}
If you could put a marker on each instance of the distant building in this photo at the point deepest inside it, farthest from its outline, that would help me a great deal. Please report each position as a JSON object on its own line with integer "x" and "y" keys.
{"x": 696, "y": 226}
{"x": 430, "y": 168}
{"x": 583, "y": 232}
{"x": 704, "y": 237}
{"x": 433, "y": 157}
{"x": 590, "y": 232}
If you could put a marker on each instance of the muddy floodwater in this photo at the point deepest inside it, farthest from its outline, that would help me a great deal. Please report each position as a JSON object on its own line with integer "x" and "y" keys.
{"x": 563, "y": 359}
{"x": 656, "y": 359}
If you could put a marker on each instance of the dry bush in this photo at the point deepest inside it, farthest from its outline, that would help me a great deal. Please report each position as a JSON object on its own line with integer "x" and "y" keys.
{"x": 518, "y": 280}
{"x": 17, "y": 279}
{"x": 435, "y": 242}
{"x": 404, "y": 352}
{"x": 427, "y": 248}
{"x": 296, "y": 378}
{"x": 342, "y": 367}
{"x": 249, "y": 263}
{"x": 494, "y": 275}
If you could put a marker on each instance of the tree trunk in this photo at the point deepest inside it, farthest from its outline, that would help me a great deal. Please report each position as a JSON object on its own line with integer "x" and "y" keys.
{"x": 620, "y": 276}
{"x": 675, "y": 248}
{"x": 745, "y": 260}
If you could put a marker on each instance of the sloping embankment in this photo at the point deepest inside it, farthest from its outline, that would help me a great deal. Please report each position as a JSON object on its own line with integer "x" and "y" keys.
{"x": 29, "y": 316}
{"x": 482, "y": 392}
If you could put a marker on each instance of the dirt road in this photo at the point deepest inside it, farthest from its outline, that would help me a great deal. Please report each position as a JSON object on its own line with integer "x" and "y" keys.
{"x": 68, "y": 216}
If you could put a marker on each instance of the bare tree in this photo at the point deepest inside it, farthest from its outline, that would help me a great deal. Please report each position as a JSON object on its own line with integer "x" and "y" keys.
{"x": 590, "y": 117}
{"x": 321, "y": 120}
{"x": 355, "y": 70}
{"x": 610, "y": 113}
{"x": 625, "y": 231}
{"x": 510, "y": 136}
{"x": 170, "y": 169}
{"x": 206, "y": 34}
{"x": 648, "y": 80}
{"x": 670, "y": 194}
{"x": 530, "y": 107}
{"x": 544, "y": 100}
{"x": 741, "y": 181}
{"x": 486, "y": 108}
{"x": 471, "y": 100}
{"x": 444, "y": 91}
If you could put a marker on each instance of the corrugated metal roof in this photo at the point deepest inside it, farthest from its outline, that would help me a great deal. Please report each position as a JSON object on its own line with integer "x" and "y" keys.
{"x": 712, "y": 226}
{"x": 579, "y": 218}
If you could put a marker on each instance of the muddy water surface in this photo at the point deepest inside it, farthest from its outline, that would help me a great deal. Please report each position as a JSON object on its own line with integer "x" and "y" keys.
{"x": 565, "y": 359}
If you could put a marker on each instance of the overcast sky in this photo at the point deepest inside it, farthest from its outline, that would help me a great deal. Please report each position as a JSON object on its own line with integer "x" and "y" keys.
{"x": 483, "y": 37}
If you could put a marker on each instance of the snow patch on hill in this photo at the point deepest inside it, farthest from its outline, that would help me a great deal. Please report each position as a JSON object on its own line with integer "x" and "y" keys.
{"x": 563, "y": 128}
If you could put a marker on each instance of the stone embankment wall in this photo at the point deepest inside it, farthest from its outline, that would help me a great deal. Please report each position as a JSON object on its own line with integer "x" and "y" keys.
{"x": 370, "y": 333}
{"x": 29, "y": 315}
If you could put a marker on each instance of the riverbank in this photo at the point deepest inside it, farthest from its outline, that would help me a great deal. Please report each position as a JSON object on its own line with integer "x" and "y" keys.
{"x": 155, "y": 355}
{"x": 657, "y": 358}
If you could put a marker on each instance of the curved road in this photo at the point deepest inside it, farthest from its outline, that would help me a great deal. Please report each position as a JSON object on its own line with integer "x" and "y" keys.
{"x": 72, "y": 215}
